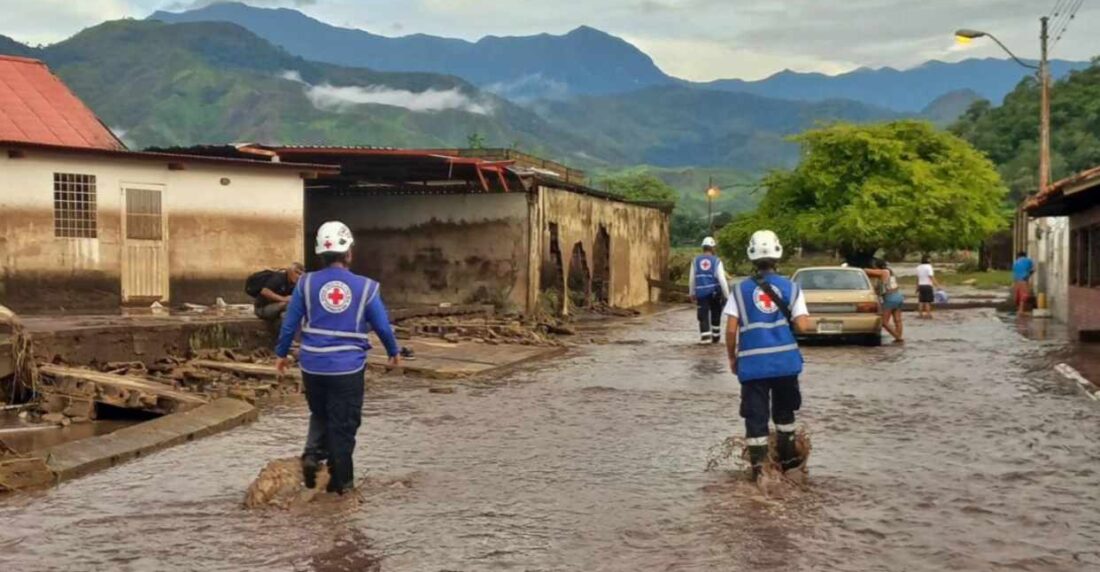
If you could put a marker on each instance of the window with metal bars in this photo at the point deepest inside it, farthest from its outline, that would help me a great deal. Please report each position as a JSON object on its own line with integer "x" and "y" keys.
{"x": 74, "y": 205}
{"x": 143, "y": 215}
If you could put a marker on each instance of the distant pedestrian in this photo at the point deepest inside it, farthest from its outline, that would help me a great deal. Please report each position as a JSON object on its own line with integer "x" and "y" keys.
{"x": 709, "y": 290}
{"x": 1022, "y": 270}
{"x": 892, "y": 299}
{"x": 926, "y": 287}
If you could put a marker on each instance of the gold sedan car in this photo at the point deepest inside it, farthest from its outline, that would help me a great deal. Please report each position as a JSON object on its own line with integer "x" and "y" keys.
{"x": 842, "y": 304}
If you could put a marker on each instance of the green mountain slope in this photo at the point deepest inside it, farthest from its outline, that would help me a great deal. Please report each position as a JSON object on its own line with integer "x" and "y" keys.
{"x": 671, "y": 126}
{"x": 1009, "y": 134}
{"x": 213, "y": 82}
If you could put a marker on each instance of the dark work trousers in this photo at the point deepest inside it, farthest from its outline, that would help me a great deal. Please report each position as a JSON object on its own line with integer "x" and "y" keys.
{"x": 315, "y": 439}
{"x": 777, "y": 397}
{"x": 710, "y": 317}
{"x": 336, "y": 403}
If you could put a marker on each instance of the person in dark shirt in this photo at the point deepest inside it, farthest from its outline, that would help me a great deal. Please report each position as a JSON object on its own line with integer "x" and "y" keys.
{"x": 275, "y": 295}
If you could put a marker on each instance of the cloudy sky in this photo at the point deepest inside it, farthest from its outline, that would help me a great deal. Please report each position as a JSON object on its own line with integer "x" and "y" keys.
{"x": 693, "y": 39}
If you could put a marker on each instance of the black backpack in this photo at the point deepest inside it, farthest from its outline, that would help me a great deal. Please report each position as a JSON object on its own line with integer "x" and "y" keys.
{"x": 257, "y": 281}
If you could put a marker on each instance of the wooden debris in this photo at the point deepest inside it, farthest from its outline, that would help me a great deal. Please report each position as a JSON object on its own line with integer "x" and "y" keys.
{"x": 22, "y": 473}
{"x": 119, "y": 391}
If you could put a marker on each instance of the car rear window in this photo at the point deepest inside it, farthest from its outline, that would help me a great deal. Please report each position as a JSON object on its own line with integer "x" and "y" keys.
{"x": 832, "y": 280}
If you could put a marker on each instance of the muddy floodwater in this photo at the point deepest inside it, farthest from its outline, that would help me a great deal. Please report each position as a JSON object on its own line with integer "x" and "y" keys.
{"x": 961, "y": 450}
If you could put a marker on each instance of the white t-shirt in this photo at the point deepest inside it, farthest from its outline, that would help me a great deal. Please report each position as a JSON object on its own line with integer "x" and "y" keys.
{"x": 925, "y": 274}
{"x": 798, "y": 309}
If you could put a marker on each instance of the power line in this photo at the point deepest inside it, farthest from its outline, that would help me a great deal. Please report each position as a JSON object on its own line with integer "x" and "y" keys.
{"x": 1057, "y": 9}
{"x": 1067, "y": 21}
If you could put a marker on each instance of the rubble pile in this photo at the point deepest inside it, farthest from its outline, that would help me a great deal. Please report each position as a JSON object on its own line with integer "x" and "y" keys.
{"x": 194, "y": 375}
{"x": 489, "y": 330}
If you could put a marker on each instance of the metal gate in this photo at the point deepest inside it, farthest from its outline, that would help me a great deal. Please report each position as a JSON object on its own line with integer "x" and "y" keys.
{"x": 144, "y": 252}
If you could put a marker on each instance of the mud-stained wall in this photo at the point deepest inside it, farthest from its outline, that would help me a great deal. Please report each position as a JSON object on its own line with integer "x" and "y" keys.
{"x": 638, "y": 249}
{"x": 428, "y": 249}
{"x": 216, "y": 234}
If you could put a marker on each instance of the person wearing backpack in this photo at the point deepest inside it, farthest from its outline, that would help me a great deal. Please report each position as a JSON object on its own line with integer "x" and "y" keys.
{"x": 335, "y": 309}
{"x": 271, "y": 290}
{"x": 709, "y": 290}
{"x": 763, "y": 314}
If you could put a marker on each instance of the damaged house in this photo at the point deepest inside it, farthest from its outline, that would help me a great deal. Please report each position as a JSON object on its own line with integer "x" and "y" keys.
{"x": 87, "y": 225}
{"x": 491, "y": 226}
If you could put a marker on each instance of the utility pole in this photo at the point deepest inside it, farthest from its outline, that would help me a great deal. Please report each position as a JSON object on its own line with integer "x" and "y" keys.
{"x": 1044, "y": 103}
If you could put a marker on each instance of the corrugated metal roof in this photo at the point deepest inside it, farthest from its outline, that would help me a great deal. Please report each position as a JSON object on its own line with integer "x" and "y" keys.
{"x": 36, "y": 107}
{"x": 1058, "y": 190}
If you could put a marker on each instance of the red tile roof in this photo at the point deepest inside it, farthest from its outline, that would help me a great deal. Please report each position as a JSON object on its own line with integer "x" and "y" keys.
{"x": 36, "y": 107}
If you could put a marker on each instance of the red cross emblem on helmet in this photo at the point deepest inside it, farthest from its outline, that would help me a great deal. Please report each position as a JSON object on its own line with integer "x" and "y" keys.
{"x": 335, "y": 296}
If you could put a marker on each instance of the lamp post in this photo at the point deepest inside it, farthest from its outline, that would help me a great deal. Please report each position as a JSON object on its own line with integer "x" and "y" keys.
{"x": 712, "y": 193}
{"x": 1023, "y": 238}
{"x": 1043, "y": 69}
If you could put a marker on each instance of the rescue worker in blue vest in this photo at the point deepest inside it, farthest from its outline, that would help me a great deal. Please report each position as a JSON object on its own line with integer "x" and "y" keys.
{"x": 709, "y": 290}
{"x": 335, "y": 310}
{"x": 763, "y": 314}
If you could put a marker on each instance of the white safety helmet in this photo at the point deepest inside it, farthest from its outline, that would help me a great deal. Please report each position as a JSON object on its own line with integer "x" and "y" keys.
{"x": 765, "y": 244}
{"x": 709, "y": 242}
{"x": 334, "y": 236}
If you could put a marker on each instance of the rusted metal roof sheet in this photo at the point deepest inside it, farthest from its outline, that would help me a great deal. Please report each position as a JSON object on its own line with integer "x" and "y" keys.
{"x": 36, "y": 107}
{"x": 1049, "y": 202}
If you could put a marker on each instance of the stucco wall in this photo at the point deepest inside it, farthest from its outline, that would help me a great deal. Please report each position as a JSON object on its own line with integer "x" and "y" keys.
{"x": 427, "y": 249}
{"x": 639, "y": 247}
{"x": 216, "y": 234}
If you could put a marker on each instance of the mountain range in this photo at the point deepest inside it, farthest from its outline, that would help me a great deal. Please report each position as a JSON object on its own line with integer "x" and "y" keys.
{"x": 587, "y": 61}
{"x": 215, "y": 82}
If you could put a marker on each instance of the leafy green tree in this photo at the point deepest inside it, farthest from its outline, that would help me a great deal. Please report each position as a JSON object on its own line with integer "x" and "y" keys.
{"x": 641, "y": 187}
{"x": 475, "y": 141}
{"x": 901, "y": 185}
{"x": 1009, "y": 133}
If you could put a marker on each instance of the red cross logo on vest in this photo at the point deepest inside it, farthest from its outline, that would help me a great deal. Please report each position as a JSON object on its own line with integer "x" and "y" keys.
{"x": 764, "y": 302}
{"x": 335, "y": 296}
{"x": 704, "y": 265}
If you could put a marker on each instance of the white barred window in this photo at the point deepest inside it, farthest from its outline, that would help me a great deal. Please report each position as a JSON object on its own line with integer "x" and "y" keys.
{"x": 74, "y": 206}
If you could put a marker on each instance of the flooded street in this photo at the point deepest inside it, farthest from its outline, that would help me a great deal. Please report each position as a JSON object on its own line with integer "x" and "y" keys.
{"x": 962, "y": 450}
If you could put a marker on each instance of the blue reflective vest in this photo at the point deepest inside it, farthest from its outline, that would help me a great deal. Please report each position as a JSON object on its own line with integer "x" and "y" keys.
{"x": 706, "y": 276}
{"x": 766, "y": 345}
{"x": 334, "y": 332}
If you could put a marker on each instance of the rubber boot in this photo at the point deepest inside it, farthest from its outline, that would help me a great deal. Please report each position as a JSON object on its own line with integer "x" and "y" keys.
{"x": 310, "y": 466}
{"x": 341, "y": 474}
{"x": 788, "y": 453}
{"x": 758, "y": 455}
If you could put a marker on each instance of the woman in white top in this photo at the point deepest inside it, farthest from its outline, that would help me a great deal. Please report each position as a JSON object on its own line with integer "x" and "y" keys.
{"x": 926, "y": 287}
{"x": 892, "y": 299}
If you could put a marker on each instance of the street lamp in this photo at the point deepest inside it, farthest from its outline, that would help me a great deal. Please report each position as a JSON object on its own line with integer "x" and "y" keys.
{"x": 966, "y": 35}
{"x": 712, "y": 193}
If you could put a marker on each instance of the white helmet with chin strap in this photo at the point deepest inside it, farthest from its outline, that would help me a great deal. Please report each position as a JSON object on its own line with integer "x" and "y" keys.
{"x": 334, "y": 236}
{"x": 765, "y": 244}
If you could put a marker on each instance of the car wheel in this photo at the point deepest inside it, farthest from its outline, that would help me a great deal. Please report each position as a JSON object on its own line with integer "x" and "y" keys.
{"x": 872, "y": 340}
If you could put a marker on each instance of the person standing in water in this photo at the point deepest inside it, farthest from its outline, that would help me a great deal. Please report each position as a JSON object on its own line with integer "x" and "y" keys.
{"x": 335, "y": 309}
{"x": 892, "y": 299}
{"x": 764, "y": 312}
{"x": 709, "y": 290}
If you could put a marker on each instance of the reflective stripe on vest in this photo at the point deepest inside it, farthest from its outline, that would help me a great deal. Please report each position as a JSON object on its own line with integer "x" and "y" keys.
{"x": 766, "y": 345}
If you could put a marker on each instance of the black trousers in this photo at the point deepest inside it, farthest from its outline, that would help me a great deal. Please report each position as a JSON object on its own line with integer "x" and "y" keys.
{"x": 335, "y": 412}
{"x": 709, "y": 311}
{"x": 777, "y": 398}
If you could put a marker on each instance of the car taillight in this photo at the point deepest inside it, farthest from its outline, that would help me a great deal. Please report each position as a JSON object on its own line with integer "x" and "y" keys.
{"x": 868, "y": 308}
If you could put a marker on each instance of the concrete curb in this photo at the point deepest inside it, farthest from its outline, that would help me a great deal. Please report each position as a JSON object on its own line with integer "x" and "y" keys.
{"x": 1072, "y": 374}
{"x": 78, "y": 458}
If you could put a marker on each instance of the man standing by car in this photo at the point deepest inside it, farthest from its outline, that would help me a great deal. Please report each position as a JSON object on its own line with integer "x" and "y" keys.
{"x": 1022, "y": 270}
{"x": 764, "y": 311}
{"x": 710, "y": 290}
{"x": 275, "y": 288}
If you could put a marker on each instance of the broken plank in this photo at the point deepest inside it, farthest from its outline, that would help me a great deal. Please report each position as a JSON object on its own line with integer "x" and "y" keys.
{"x": 247, "y": 369}
{"x": 118, "y": 390}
